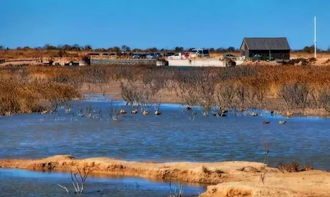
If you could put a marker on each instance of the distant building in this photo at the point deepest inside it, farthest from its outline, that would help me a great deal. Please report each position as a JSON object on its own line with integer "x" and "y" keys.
{"x": 265, "y": 48}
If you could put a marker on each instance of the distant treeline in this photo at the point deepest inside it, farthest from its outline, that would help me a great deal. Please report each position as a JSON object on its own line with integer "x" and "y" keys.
{"x": 125, "y": 48}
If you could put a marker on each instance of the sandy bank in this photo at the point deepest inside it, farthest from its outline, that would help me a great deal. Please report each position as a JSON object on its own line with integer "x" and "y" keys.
{"x": 223, "y": 178}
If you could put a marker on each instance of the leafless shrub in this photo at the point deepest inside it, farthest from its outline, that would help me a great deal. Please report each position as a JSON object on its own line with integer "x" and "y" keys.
{"x": 188, "y": 96}
{"x": 145, "y": 98}
{"x": 260, "y": 96}
{"x": 135, "y": 95}
{"x": 241, "y": 96}
{"x": 78, "y": 179}
{"x": 325, "y": 100}
{"x": 295, "y": 95}
{"x": 205, "y": 89}
{"x": 197, "y": 88}
{"x": 225, "y": 95}
{"x": 294, "y": 166}
{"x": 289, "y": 167}
{"x": 314, "y": 98}
{"x": 177, "y": 191}
{"x": 123, "y": 72}
{"x": 97, "y": 75}
{"x": 266, "y": 158}
{"x": 130, "y": 93}
{"x": 114, "y": 111}
{"x": 155, "y": 81}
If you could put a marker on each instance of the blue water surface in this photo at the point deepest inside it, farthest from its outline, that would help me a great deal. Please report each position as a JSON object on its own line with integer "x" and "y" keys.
{"x": 21, "y": 183}
{"x": 88, "y": 128}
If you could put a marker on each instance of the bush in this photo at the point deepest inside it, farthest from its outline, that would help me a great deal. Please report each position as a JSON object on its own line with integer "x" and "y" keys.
{"x": 325, "y": 100}
{"x": 293, "y": 167}
{"x": 26, "y": 97}
{"x": 295, "y": 95}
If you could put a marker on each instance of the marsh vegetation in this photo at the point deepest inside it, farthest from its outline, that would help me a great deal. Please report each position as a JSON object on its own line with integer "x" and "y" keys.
{"x": 287, "y": 88}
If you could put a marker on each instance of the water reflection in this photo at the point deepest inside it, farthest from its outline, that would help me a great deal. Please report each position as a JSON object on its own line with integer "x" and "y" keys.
{"x": 26, "y": 183}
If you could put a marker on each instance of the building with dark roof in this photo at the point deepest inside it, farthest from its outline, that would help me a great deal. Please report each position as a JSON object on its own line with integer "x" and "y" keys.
{"x": 265, "y": 48}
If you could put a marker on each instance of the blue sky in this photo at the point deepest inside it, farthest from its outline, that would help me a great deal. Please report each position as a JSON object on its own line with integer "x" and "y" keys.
{"x": 161, "y": 23}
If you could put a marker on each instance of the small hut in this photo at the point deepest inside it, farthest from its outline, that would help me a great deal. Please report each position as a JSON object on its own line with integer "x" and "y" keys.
{"x": 265, "y": 48}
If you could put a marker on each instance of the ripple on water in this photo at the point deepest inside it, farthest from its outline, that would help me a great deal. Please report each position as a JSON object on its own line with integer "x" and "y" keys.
{"x": 177, "y": 135}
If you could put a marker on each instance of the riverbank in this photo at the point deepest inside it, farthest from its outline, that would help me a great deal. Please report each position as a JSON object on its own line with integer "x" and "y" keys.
{"x": 222, "y": 178}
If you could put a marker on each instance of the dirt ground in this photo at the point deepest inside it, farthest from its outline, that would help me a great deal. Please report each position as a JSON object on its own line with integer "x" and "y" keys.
{"x": 224, "y": 179}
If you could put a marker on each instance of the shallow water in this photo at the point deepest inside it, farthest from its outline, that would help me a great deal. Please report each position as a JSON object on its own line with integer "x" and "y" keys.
{"x": 177, "y": 135}
{"x": 22, "y": 183}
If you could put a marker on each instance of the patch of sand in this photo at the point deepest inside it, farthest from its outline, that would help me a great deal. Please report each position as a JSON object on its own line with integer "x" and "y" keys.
{"x": 224, "y": 178}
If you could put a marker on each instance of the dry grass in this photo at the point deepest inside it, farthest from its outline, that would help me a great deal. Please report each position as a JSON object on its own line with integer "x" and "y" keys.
{"x": 22, "y": 94}
{"x": 239, "y": 87}
{"x": 294, "y": 167}
{"x": 37, "y": 53}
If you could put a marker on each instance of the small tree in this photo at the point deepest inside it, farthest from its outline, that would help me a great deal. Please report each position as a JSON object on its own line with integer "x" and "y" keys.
{"x": 310, "y": 49}
{"x": 115, "y": 50}
{"x": 153, "y": 49}
{"x": 125, "y": 48}
{"x": 231, "y": 49}
{"x": 179, "y": 49}
{"x": 88, "y": 48}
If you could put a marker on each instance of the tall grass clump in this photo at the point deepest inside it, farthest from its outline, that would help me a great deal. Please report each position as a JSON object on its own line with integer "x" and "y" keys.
{"x": 24, "y": 96}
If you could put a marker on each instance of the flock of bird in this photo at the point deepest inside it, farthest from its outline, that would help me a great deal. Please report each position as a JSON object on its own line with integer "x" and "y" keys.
{"x": 91, "y": 113}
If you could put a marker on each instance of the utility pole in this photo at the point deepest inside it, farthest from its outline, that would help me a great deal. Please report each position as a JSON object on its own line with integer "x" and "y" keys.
{"x": 315, "y": 39}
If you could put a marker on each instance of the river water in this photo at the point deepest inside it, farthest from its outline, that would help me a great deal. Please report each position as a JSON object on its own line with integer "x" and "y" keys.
{"x": 21, "y": 183}
{"x": 87, "y": 128}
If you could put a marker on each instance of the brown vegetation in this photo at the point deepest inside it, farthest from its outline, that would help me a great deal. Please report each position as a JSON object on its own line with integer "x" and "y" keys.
{"x": 301, "y": 89}
{"x": 22, "y": 94}
{"x": 293, "y": 167}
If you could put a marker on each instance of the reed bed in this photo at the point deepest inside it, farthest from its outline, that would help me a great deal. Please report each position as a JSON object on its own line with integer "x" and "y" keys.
{"x": 295, "y": 88}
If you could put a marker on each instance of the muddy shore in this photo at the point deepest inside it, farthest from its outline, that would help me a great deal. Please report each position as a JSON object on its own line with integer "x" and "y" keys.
{"x": 222, "y": 178}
